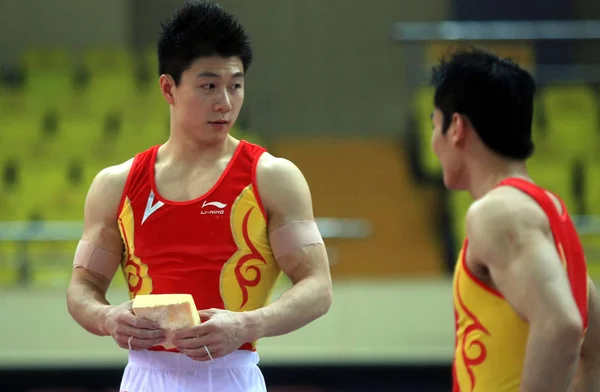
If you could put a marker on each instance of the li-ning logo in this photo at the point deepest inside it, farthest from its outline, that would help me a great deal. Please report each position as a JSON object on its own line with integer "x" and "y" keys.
{"x": 217, "y": 204}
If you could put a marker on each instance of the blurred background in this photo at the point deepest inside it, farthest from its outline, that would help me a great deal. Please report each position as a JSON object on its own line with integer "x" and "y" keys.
{"x": 340, "y": 88}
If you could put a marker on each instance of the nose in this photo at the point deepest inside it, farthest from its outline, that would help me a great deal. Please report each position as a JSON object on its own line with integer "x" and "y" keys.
{"x": 223, "y": 103}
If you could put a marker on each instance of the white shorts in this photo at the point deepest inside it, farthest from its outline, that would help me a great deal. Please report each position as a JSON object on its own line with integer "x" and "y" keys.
{"x": 156, "y": 371}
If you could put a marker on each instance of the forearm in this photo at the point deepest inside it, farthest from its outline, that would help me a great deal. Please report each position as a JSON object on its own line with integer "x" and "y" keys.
{"x": 88, "y": 305}
{"x": 304, "y": 302}
{"x": 551, "y": 359}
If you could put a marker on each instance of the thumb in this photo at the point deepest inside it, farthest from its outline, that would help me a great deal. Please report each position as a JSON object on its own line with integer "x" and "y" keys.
{"x": 207, "y": 314}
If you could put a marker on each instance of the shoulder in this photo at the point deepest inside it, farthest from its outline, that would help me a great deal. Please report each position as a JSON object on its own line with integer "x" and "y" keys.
{"x": 113, "y": 178}
{"x": 272, "y": 168}
{"x": 108, "y": 185}
{"x": 504, "y": 219}
{"x": 281, "y": 184}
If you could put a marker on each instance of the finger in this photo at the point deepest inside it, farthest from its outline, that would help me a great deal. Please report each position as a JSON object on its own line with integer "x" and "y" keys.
{"x": 195, "y": 353}
{"x": 139, "y": 322}
{"x": 206, "y": 354}
{"x": 195, "y": 343}
{"x": 201, "y": 354}
{"x": 208, "y": 313}
{"x": 126, "y": 330}
{"x": 141, "y": 344}
{"x": 194, "y": 332}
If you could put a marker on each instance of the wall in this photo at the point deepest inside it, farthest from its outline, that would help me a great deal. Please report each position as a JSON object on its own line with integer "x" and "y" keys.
{"x": 75, "y": 24}
{"x": 321, "y": 67}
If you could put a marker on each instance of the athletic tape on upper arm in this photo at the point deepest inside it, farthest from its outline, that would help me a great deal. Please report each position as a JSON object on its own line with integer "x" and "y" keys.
{"x": 293, "y": 236}
{"x": 95, "y": 259}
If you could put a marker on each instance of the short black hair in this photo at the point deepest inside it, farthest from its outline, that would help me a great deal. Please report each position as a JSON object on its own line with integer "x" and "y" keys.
{"x": 200, "y": 29}
{"x": 495, "y": 94}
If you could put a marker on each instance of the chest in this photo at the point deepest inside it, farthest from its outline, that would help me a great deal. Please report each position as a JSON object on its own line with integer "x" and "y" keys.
{"x": 181, "y": 186}
{"x": 201, "y": 221}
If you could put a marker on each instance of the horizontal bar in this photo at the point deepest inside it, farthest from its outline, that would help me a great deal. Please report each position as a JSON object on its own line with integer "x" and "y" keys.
{"x": 71, "y": 230}
{"x": 552, "y": 74}
{"x": 496, "y": 30}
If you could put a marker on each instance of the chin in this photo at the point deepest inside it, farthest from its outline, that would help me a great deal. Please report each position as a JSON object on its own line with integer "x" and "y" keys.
{"x": 454, "y": 183}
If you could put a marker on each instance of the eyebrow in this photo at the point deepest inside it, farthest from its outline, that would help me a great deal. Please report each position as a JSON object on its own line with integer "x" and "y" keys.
{"x": 208, "y": 74}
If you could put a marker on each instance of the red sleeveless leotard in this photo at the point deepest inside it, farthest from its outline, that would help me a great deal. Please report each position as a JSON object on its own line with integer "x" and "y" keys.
{"x": 215, "y": 247}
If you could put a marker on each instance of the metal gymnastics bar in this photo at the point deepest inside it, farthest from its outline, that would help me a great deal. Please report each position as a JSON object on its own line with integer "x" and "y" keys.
{"x": 411, "y": 33}
{"x": 59, "y": 231}
{"x": 19, "y": 231}
{"x": 496, "y": 30}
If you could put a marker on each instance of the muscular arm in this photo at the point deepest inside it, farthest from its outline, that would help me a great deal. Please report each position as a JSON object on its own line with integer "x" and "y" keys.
{"x": 588, "y": 377}
{"x": 86, "y": 295}
{"x": 286, "y": 197}
{"x": 510, "y": 235}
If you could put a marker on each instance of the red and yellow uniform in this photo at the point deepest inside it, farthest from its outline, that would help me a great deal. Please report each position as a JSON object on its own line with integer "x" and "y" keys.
{"x": 490, "y": 337}
{"x": 215, "y": 247}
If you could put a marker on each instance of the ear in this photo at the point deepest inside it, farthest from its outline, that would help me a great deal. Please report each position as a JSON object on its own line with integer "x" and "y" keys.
{"x": 167, "y": 88}
{"x": 458, "y": 129}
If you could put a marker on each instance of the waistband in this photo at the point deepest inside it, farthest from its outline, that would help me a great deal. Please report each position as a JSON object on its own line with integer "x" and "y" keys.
{"x": 171, "y": 360}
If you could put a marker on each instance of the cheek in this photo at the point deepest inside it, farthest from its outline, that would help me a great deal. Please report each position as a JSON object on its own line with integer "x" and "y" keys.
{"x": 435, "y": 143}
{"x": 237, "y": 97}
{"x": 197, "y": 103}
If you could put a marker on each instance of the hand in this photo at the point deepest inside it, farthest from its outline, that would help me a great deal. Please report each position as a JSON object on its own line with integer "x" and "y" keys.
{"x": 223, "y": 333}
{"x": 128, "y": 329}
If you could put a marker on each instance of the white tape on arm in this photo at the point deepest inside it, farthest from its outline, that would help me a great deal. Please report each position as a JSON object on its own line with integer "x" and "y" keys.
{"x": 293, "y": 236}
{"x": 95, "y": 259}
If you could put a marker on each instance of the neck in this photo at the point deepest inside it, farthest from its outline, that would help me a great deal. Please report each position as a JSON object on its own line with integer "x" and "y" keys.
{"x": 486, "y": 173}
{"x": 186, "y": 150}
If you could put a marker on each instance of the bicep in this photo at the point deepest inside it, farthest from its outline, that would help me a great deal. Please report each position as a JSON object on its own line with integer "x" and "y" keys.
{"x": 285, "y": 193}
{"x": 101, "y": 247}
{"x": 532, "y": 278}
{"x": 287, "y": 199}
{"x": 100, "y": 214}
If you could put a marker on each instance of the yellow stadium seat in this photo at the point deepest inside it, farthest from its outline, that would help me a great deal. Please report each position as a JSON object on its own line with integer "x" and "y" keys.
{"x": 539, "y": 133}
{"x": 12, "y": 206}
{"x": 591, "y": 241}
{"x": 11, "y": 209}
{"x": 14, "y": 104}
{"x": 66, "y": 186}
{"x": 556, "y": 177}
{"x": 47, "y": 59}
{"x": 592, "y": 188}
{"x": 572, "y": 118}
{"x": 47, "y": 195}
{"x": 49, "y": 76}
{"x": 422, "y": 111}
{"x": 109, "y": 61}
{"x": 50, "y": 262}
{"x": 18, "y": 135}
{"x": 112, "y": 73}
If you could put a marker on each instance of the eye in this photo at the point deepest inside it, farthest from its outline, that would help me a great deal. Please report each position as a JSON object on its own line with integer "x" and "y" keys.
{"x": 237, "y": 86}
{"x": 209, "y": 86}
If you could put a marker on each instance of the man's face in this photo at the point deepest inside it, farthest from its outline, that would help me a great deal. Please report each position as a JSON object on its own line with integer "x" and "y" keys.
{"x": 208, "y": 99}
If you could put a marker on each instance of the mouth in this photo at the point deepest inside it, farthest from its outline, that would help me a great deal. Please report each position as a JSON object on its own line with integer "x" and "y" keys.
{"x": 219, "y": 122}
